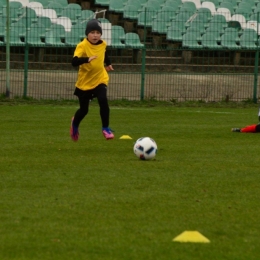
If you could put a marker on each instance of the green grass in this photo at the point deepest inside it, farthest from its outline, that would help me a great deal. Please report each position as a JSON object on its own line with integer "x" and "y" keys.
{"x": 95, "y": 200}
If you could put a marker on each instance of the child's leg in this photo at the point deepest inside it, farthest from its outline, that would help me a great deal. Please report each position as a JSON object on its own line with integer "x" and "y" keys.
{"x": 249, "y": 129}
{"x": 83, "y": 109}
{"x": 101, "y": 94}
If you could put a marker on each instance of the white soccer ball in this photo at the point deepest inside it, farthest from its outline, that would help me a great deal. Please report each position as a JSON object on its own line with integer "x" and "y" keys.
{"x": 145, "y": 148}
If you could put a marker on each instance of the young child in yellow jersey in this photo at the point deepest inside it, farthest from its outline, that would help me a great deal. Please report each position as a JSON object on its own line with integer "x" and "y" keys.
{"x": 90, "y": 55}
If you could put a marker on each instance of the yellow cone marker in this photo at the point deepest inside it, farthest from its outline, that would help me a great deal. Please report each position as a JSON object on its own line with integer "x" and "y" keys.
{"x": 125, "y": 137}
{"x": 191, "y": 236}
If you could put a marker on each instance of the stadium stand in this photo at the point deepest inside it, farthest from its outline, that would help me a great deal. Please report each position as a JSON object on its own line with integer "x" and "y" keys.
{"x": 50, "y": 13}
{"x": 196, "y": 2}
{"x": 119, "y": 30}
{"x": 65, "y": 22}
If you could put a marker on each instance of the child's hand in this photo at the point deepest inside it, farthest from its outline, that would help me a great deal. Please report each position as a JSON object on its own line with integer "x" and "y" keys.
{"x": 91, "y": 58}
{"x": 109, "y": 68}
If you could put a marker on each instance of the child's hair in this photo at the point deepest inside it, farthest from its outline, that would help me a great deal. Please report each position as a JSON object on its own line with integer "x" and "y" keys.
{"x": 93, "y": 25}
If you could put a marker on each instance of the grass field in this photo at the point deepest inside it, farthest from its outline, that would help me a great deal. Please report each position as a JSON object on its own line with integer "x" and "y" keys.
{"x": 95, "y": 200}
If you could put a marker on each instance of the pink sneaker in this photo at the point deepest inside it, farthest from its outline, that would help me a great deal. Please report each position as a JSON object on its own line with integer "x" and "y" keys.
{"x": 74, "y": 132}
{"x": 107, "y": 132}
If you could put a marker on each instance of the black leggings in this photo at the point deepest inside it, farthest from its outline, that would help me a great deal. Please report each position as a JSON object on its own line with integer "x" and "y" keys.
{"x": 100, "y": 92}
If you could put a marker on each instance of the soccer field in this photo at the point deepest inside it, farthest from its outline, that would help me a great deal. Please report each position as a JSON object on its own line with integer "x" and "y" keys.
{"x": 95, "y": 199}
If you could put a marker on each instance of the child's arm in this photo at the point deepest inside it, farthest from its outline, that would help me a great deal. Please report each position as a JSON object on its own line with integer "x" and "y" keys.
{"x": 76, "y": 61}
{"x": 108, "y": 67}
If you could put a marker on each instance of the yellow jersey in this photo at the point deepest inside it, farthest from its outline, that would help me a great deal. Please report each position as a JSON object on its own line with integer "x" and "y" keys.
{"x": 91, "y": 74}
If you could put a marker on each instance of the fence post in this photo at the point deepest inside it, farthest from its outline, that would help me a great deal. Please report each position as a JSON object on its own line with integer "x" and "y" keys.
{"x": 143, "y": 60}
{"x": 26, "y": 55}
{"x": 256, "y": 65}
{"x": 7, "y": 92}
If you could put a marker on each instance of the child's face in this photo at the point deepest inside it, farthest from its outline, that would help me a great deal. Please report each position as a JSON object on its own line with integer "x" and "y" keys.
{"x": 94, "y": 36}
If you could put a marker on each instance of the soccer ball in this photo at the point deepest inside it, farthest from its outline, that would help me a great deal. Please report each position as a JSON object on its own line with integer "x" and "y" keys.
{"x": 145, "y": 148}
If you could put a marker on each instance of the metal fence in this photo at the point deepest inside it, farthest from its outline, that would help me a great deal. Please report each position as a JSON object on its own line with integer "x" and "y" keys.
{"x": 163, "y": 67}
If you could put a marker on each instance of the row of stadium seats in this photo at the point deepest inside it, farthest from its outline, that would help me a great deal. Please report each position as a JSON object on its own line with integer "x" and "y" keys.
{"x": 49, "y": 34}
{"x": 229, "y": 40}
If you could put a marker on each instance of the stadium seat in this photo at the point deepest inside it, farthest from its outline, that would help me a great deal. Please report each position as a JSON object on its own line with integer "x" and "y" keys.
{"x": 188, "y": 7}
{"x": 174, "y": 34}
{"x": 132, "y": 40}
{"x": 151, "y": 4}
{"x": 79, "y": 29}
{"x": 52, "y": 38}
{"x": 230, "y": 39}
{"x": 51, "y": 13}
{"x": 15, "y": 11}
{"x": 253, "y": 25}
{"x": 248, "y": 39}
{"x": 145, "y": 17}
{"x": 172, "y": 4}
{"x": 59, "y": 30}
{"x": 119, "y": 30}
{"x": 43, "y": 2}
{"x": 65, "y": 22}
{"x": 229, "y": 6}
{"x": 240, "y": 19}
{"x": 24, "y": 3}
{"x": 215, "y": 2}
{"x": 56, "y": 6}
{"x": 30, "y": 16}
{"x": 116, "y": 41}
{"x": 245, "y": 11}
{"x": 20, "y": 27}
{"x": 37, "y": 7}
{"x": 102, "y": 2}
{"x": 15, "y": 39}
{"x": 210, "y": 40}
{"x": 209, "y": 5}
{"x": 196, "y": 2}
{"x": 161, "y": 21}
{"x": 34, "y": 38}
{"x": 73, "y": 11}
{"x": 40, "y": 27}
{"x": 131, "y": 12}
{"x": 117, "y": 6}
{"x": 225, "y": 12}
{"x": 86, "y": 15}
{"x": 190, "y": 40}
{"x": 45, "y": 21}
{"x": 217, "y": 24}
{"x": 72, "y": 38}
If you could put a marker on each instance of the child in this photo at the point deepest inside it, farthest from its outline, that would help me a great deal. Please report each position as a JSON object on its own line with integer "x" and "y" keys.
{"x": 90, "y": 55}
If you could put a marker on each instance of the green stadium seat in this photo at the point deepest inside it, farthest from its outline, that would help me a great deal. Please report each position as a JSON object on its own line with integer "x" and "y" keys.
{"x": 45, "y": 21}
{"x": 102, "y": 2}
{"x": 73, "y": 11}
{"x": 131, "y": 12}
{"x": 34, "y": 38}
{"x": 229, "y": 6}
{"x": 15, "y": 39}
{"x": 188, "y": 7}
{"x": 115, "y": 40}
{"x": 20, "y": 27}
{"x": 132, "y": 40}
{"x": 53, "y": 39}
{"x": 240, "y": 19}
{"x": 217, "y": 24}
{"x": 151, "y": 4}
{"x": 119, "y": 30}
{"x": 72, "y": 38}
{"x": 86, "y": 15}
{"x": 37, "y": 7}
{"x": 174, "y": 34}
{"x": 248, "y": 39}
{"x": 79, "y": 29}
{"x": 41, "y": 28}
{"x": 15, "y": 11}
{"x": 145, "y": 17}
{"x": 230, "y": 39}
{"x": 58, "y": 7}
{"x": 117, "y": 6}
{"x": 253, "y": 25}
{"x": 210, "y": 40}
{"x": 190, "y": 40}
